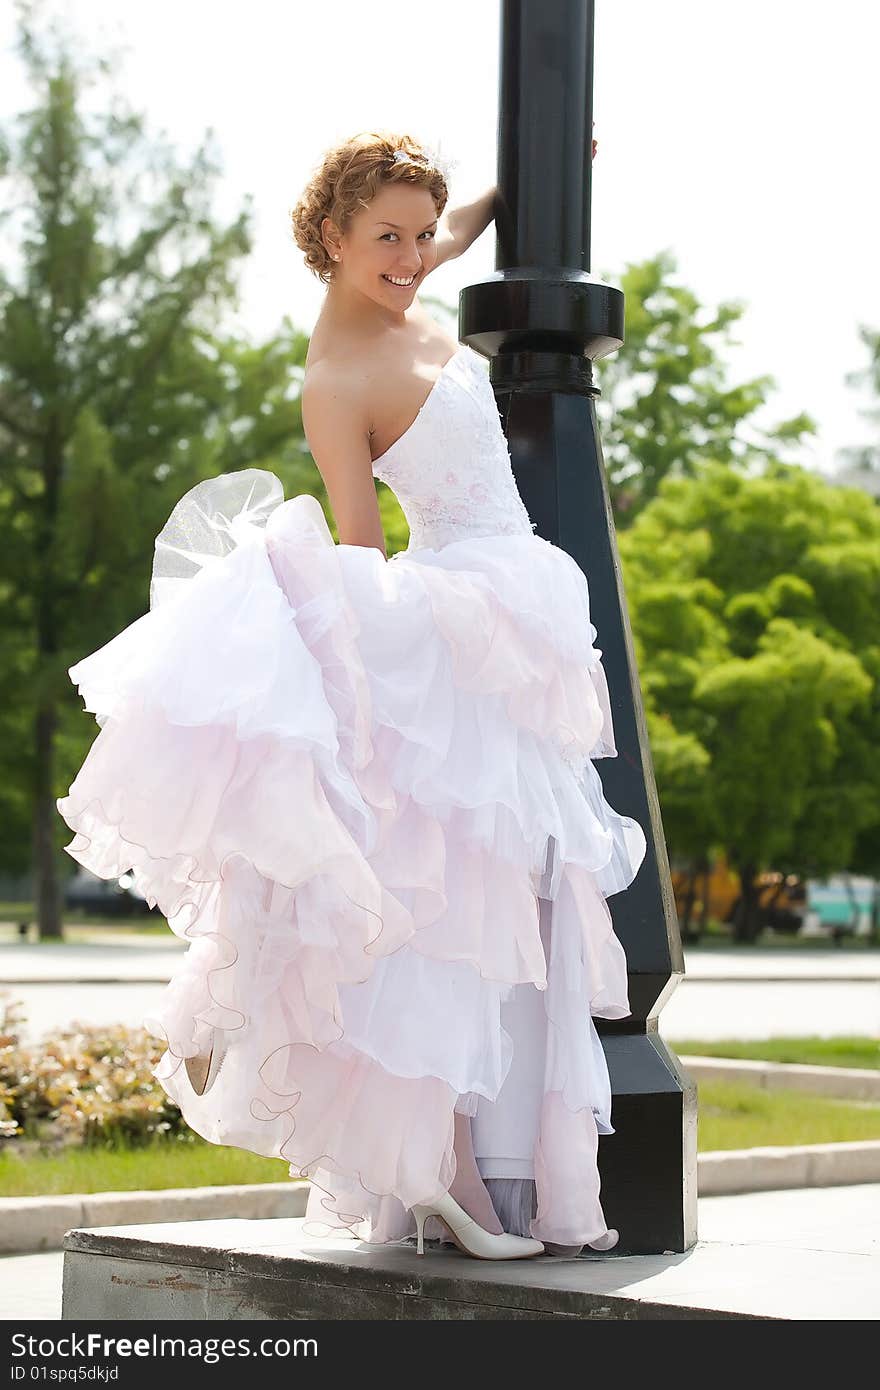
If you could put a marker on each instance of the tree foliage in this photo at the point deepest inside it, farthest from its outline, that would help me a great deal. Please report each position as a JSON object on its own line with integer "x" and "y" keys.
{"x": 755, "y": 607}
{"x": 121, "y": 386}
{"x": 666, "y": 402}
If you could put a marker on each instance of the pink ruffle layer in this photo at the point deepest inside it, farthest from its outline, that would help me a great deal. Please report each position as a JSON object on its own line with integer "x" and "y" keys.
{"x": 344, "y": 781}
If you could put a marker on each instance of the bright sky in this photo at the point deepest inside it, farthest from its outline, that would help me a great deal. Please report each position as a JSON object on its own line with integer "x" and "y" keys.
{"x": 740, "y": 136}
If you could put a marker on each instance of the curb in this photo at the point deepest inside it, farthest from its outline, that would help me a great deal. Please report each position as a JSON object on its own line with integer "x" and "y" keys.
{"x": 851, "y": 1083}
{"x": 30, "y": 1224}
{"x": 39, "y": 1223}
{"x": 730, "y": 1171}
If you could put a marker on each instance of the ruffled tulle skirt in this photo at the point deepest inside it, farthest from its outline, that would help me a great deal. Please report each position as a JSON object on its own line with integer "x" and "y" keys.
{"x": 363, "y": 791}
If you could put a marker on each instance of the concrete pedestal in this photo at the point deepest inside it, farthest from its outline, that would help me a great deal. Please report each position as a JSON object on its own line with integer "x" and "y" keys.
{"x": 250, "y": 1269}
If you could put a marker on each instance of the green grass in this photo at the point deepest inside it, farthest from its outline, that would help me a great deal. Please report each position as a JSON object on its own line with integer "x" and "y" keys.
{"x": 167, "y": 1163}
{"x": 79, "y": 927}
{"x": 730, "y": 1117}
{"x": 811, "y": 1051}
{"x": 744, "y": 1117}
{"x": 720, "y": 937}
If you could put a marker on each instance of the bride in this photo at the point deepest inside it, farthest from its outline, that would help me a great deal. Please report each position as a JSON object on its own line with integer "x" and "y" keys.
{"x": 363, "y": 789}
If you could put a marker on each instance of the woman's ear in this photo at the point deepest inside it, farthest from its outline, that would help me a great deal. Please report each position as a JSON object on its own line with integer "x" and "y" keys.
{"x": 330, "y": 238}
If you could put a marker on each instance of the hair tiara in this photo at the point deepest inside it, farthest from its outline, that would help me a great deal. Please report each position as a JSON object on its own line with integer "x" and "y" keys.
{"x": 431, "y": 157}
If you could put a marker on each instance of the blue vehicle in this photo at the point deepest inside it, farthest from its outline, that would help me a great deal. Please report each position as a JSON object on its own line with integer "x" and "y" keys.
{"x": 842, "y": 905}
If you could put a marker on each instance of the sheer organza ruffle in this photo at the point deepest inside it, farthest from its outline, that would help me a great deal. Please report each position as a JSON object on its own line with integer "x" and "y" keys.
{"x": 346, "y": 782}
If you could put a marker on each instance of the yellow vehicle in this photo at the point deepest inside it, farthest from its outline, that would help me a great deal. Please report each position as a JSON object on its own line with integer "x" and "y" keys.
{"x": 711, "y": 893}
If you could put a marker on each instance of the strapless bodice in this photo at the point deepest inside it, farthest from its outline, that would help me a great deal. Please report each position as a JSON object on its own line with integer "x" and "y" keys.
{"x": 451, "y": 469}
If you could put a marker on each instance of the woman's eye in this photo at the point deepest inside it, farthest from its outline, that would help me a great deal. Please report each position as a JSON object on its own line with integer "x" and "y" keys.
{"x": 387, "y": 234}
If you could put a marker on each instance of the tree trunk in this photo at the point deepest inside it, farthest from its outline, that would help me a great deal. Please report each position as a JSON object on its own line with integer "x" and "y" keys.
{"x": 46, "y": 892}
{"x": 688, "y": 913}
{"x": 47, "y": 895}
{"x": 748, "y": 916}
{"x": 706, "y": 871}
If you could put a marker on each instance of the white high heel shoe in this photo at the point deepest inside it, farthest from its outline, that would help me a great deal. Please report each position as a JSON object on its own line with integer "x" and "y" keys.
{"x": 202, "y": 1071}
{"x": 606, "y": 1241}
{"x": 469, "y": 1236}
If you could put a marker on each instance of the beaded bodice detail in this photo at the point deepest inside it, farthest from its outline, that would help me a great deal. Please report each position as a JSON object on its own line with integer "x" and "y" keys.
{"x": 451, "y": 469}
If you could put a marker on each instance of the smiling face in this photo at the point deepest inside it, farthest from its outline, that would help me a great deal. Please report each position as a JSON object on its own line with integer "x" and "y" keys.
{"x": 390, "y": 240}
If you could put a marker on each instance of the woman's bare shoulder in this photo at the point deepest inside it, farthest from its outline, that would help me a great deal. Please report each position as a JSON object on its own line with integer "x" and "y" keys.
{"x": 336, "y": 383}
{"x": 369, "y": 383}
{"x": 334, "y": 357}
{"x": 340, "y": 367}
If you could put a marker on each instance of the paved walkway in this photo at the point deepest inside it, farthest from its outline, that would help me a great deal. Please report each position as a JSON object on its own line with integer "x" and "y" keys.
{"x": 746, "y": 993}
{"x": 755, "y": 1233}
{"x": 110, "y": 955}
{"x": 748, "y": 963}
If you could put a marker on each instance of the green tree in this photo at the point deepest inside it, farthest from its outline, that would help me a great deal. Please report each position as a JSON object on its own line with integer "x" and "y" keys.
{"x": 117, "y": 393}
{"x": 755, "y": 607}
{"x": 666, "y": 403}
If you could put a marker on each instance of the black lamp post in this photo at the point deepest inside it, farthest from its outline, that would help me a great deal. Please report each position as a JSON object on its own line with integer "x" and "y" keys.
{"x": 542, "y": 320}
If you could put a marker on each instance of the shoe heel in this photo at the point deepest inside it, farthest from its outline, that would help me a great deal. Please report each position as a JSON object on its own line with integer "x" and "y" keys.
{"x": 420, "y": 1216}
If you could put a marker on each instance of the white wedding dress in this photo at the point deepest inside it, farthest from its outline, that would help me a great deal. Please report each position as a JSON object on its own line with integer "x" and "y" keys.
{"x": 364, "y": 791}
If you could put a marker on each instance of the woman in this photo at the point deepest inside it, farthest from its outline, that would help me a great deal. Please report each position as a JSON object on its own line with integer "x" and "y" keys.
{"x": 363, "y": 788}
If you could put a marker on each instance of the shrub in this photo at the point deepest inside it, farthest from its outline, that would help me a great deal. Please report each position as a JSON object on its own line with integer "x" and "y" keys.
{"x": 84, "y": 1085}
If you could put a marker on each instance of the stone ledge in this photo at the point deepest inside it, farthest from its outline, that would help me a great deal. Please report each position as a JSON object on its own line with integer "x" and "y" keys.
{"x": 237, "y": 1270}
{"x": 240, "y": 1270}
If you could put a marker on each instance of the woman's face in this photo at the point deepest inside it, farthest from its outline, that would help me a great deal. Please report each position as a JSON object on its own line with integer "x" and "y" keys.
{"x": 393, "y": 238}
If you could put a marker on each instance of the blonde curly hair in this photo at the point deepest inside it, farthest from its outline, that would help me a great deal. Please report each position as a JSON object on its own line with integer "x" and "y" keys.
{"x": 348, "y": 178}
